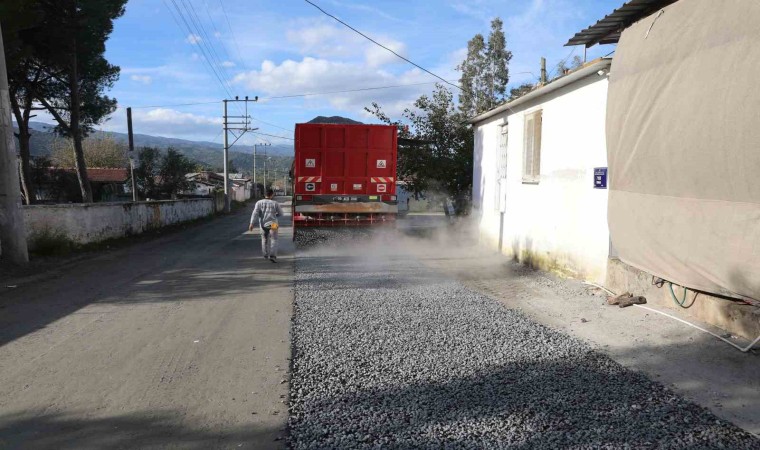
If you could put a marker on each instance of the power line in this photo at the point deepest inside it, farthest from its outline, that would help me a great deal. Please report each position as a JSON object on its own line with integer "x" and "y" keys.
{"x": 381, "y": 45}
{"x": 271, "y": 124}
{"x": 217, "y": 33}
{"x": 347, "y": 91}
{"x": 170, "y": 106}
{"x": 203, "y": 51}
{"x": 234, "y": 39}
{"x": 272, "y": 135}
{"x": 206, "y": 41}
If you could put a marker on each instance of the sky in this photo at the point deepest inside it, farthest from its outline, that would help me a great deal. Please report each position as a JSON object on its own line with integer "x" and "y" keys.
{"x": 279, "y": 48}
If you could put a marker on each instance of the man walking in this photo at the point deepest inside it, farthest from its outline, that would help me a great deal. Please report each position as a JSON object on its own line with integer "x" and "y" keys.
{"x": 266, "y": 213}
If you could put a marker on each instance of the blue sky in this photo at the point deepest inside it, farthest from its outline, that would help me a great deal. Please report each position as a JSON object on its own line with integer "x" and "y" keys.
{"x": 277, "y": 48}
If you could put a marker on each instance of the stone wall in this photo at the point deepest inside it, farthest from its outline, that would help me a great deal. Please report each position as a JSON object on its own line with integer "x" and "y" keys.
{"x": 94, "y": 222}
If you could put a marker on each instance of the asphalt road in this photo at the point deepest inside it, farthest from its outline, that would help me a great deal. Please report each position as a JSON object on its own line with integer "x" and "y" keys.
{"x": 177, "y": 342}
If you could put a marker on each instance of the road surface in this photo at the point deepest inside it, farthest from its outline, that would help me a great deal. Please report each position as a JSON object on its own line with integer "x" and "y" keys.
{"x": 178, "y": 342}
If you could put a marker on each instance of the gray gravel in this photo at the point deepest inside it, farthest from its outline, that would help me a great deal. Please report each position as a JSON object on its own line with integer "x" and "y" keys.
{"x": 388, "y": 355}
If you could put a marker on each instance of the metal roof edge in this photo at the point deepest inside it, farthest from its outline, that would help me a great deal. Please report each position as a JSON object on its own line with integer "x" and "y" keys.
{"x": 583, "y": 72}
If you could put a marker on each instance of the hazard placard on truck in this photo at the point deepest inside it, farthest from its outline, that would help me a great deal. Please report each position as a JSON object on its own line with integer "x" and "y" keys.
{"x": 344, "y": 175}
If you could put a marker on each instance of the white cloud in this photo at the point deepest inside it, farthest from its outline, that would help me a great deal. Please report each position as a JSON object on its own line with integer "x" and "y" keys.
{"x": 144, "y": 79}
{"x": 316, "y": 38}
{"x": 193, "y": 39}
{"x": 314, "y": 75}
{"x": 228, "y": 64}
{"x": 377, "y": 56}
{"x": 169, "y": 123}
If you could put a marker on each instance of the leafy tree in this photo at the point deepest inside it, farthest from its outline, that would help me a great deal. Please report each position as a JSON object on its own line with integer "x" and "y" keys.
{"x": 25, "y": 78}
{"x": 162, "y": 175}
{"x": 147, "y": 172}
{"x": 520, "y": 90}
{"x": 174, "y": 167}
{"x": 69, "y": 46}
{"x": 564, "y": 66}
{"x": 485, "y": 71}
{"x": 443, "y": 158}
{"x": 100, "y": 151}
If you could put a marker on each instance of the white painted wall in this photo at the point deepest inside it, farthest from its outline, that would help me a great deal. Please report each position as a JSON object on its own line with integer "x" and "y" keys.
{"x": 561, "y": 222}
{"x": 93, "y": 222}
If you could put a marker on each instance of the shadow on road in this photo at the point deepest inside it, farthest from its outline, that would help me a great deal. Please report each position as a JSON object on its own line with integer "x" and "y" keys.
{"x": 149, "y": 429}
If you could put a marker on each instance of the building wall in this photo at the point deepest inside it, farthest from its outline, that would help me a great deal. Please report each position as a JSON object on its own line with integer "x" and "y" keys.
{"x": 93, "y": 222}
{"x": 559, "y": 224}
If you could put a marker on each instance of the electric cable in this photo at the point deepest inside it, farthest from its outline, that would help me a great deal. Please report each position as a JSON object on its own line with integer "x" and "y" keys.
{"x": 381, "y": 45}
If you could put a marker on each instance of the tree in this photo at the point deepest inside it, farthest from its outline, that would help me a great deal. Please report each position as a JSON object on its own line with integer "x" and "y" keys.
{"x": 99, "y": 151}
{"x": 25, "y": 79}
{"x": 485, "y": 71}
{"x": 443, "y": 158}
{"x": 520, "y": 90}
{"x": 162, "y": 176}
{"x": 69, "y": 47}
{"x": 147, "y": 172}
{"x": 174, "y": 167}
{"x": 564, "y": 67}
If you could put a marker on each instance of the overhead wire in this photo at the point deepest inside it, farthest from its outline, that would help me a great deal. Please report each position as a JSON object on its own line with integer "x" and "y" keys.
{"x": 232, "y": 33}
{"x": 206, "y": 42}
{"x": 203, "y": 51}
{"x": 381, "y": 45}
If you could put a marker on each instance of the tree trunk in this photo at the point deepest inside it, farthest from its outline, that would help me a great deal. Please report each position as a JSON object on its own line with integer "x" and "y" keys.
{"x": 76, "y": 133}
{"x": 22, "y": 121}
{"x": 25, "y": 168}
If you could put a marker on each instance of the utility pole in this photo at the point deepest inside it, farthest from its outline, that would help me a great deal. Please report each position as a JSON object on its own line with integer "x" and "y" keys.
{"x": 265, "y": 170}
{"x": 12, "y": 230}
{"x": 241, "y": 128}
{"x": 131, "y": 154}
{"x": 254, "y": 163}
{"x": 543, "y": 70}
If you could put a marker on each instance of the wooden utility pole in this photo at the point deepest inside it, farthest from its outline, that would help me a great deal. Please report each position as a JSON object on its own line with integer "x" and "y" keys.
{"x": 12, "y": 230}
{"x": 543, "y": 70}
{"x": 131, "y": 154}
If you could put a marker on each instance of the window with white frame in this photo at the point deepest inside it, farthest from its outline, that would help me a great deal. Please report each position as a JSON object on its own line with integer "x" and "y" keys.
{"x": 532, "y": 147}
{"x": 501, "y": 166}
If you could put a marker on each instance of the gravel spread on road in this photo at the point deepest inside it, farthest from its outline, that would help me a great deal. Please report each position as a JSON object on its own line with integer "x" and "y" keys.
{"x": 388, "y": 354}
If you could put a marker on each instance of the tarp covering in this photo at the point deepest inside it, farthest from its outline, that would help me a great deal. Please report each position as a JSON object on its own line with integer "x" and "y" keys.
{"x": 683, "y": 139}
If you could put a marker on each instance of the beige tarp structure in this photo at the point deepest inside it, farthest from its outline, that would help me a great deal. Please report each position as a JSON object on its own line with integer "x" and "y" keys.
{"x": 683, "y": 139}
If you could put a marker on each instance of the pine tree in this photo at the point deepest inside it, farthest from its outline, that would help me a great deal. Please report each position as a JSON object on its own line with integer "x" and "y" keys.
{"x": 485, "y": 71}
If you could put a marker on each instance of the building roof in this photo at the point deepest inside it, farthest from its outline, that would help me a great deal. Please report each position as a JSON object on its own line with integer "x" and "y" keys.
{"x": 590, "y": 68}
{"x": 107, "y": 175}
{"x": 608, "y": 29}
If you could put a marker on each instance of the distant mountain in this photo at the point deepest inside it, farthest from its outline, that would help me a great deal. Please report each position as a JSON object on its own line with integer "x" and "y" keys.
{"x": 44, "y": 137}
{"x": 205, "y": 153}
{"x": 334, "y": 120}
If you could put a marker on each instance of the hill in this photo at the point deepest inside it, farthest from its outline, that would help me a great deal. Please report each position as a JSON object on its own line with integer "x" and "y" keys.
{"x": 208, "y": 154}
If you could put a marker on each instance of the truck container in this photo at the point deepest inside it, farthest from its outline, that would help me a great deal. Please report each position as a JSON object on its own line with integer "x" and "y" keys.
{"x": 344, "y": 175}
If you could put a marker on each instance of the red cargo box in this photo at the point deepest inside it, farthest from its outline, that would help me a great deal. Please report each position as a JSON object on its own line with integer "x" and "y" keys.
{"x": 345, "y": 159}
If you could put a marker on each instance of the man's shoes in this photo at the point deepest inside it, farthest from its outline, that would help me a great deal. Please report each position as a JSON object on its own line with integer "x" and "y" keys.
{"x": 273, "y": 259}
{"x": 266, "y": 256}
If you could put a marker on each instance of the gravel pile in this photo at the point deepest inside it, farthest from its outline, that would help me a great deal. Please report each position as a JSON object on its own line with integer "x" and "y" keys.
{"x": 387, "y": 355}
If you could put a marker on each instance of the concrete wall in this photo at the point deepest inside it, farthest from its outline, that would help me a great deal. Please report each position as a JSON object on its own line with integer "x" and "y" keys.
{"x": 560, "y": 223}
{"x": 93, "y": 222}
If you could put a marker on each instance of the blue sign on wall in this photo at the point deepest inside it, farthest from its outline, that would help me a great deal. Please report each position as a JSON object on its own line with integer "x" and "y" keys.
{"x": 600, "y": 178}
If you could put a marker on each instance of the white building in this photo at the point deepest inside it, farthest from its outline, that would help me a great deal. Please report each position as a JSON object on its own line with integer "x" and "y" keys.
{"x": 534, "y": 171}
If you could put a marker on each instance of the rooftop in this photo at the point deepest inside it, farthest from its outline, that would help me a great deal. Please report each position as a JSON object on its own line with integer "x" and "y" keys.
{"x": 607, "y": 30}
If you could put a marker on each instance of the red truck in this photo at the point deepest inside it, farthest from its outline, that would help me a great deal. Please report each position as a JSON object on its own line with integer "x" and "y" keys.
{"x": 344, "y": 175}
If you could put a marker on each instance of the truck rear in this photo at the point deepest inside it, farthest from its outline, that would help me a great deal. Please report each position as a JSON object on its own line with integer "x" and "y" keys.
{"x": 344, "y": 175}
